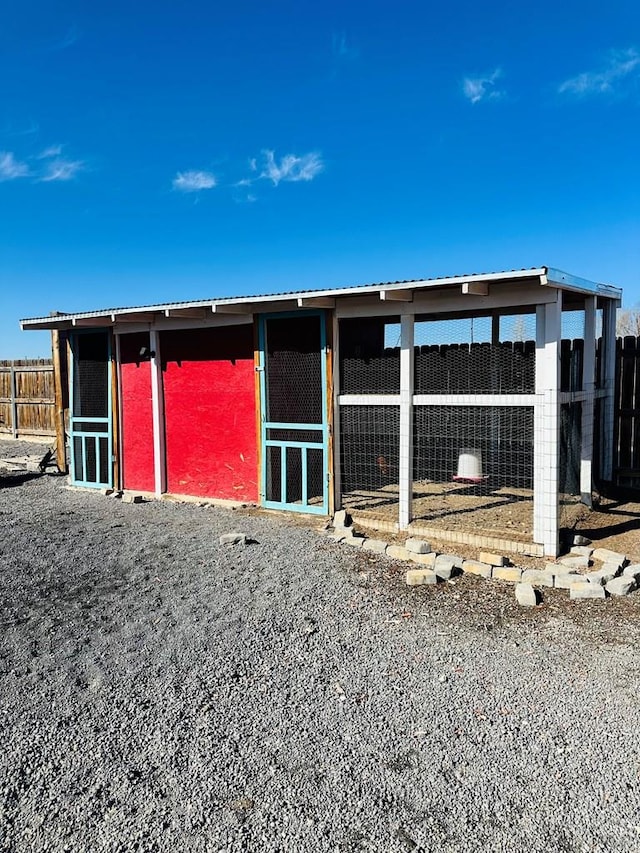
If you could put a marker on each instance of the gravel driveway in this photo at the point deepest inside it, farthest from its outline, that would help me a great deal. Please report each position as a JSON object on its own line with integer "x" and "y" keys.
{"x": 160, "y": 692}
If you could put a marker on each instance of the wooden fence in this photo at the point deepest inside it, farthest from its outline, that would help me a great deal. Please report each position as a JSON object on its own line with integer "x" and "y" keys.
{"x": 626, "y": 462}
{"x": 27, "y": 398}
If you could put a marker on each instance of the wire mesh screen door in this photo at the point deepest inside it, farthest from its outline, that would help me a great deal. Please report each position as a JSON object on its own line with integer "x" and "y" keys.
{"x": 295, "y": 431}
{"x": 90, "y": 432}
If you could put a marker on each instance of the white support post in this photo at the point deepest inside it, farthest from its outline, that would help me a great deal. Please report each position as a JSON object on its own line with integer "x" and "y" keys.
{"x": 118, "y": 417}
{"x": 547, "y": 426}
{"x": 588, "y": 404}
{"x": 335, "y": 373}
{"x": 157, "y": 407}
{"x": 406, "y": 421}
{"x": 609, "y": 385}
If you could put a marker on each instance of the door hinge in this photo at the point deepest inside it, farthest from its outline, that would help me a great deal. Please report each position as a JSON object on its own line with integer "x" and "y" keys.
{"x": 259, "y": 369}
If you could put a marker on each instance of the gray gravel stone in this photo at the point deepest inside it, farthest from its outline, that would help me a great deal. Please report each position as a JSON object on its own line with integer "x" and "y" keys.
{"x": 160, "y": 693}
{"x": 233, "y": 539}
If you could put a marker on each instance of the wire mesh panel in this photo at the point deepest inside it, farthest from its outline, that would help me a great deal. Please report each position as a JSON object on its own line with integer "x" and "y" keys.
{"x": 469, "y": 355}
{"x": 473, "y": 468}
{"x": 369, "y": 452}
{"x": 572, "y": 350}
{"x": 569, "y": 468}
{"x": 370, "y": 355}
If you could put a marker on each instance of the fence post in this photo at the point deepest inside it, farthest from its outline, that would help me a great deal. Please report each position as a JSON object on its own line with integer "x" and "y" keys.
{"x": 14, "y": 402}
{"x": 58, "y": 409}
{"x": 609, "y": 385}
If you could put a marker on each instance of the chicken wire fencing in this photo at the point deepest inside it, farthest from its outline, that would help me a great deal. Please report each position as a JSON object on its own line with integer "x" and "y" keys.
{"x": 473, "y": 468}
{"x": 369, "y": 456}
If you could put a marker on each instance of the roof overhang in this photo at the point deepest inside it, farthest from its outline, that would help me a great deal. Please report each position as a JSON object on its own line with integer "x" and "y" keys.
{"x": 397, "y": 292}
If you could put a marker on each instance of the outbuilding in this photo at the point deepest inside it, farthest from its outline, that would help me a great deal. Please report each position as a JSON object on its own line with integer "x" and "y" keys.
{"x": 475, "y": 408}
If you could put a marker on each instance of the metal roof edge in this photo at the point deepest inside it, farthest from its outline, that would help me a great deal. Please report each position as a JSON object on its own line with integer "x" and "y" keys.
{"x": 354, "y": 290}
{"x": 566, "y": 281}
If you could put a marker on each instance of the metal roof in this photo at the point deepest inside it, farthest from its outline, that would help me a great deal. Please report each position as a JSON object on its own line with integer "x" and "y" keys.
{"x": 547, "y": 275}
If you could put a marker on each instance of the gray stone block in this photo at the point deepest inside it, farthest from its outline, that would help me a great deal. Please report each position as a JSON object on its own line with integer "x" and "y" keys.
{"x": 421, "y": 577}
{"x": 417, "y": 546}
{"x": 505, "y": 573}
{"x": 492, "y": 559}
{"x": 581, "y": 551}
{"x": 354, "y": 541}
{"x": 397, "y": 552}
{"x": 621, "y": 586}
{"x": 575, "y": 562}
{"x": 424, "y": 559}
{"x": 565, "y": 580}
{"x": 379, "y": 546}
{"x": 446, "y": 565}
{"x": 578, "y": 539}
{"x": 131, "y": 499}
{"x": 475, "y": 567}
{"x": 233, "y": 539}
{"x": 526, "y": 595}
{"x": 632, "y": 571}
{"x": 342, "y": 519}
{"x": 608, "y": 556}
{"x": 537, "y": 577}
{"x": 586, "y": 590}
{"x": 602, "y": 576}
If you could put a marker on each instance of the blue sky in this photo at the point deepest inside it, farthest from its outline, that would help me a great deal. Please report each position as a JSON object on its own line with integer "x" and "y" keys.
{"x": 163, "y": 151}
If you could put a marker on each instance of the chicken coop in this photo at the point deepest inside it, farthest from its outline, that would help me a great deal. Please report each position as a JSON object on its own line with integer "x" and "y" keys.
{"x": 476, "y": 409}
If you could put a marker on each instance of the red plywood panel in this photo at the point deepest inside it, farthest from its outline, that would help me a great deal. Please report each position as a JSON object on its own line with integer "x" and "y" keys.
{"x": 209, "y": 401}
{"x": 136, "y": 417}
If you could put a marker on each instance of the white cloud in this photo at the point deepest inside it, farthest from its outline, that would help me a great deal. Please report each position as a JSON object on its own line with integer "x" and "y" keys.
{"x": 482, "y": 88}
{"x": 10, "y": 168}
{"x": 623, "y": 65}
{"x": 193, "y": 181}
{"x": 51, "y": 151}
{"x": 61, "y": 170}
{"x": 291, "y": 168}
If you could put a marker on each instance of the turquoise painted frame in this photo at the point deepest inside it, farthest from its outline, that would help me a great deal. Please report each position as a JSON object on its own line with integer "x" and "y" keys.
{"x": 316, "y": 509}
{"x": 85, "y": 435}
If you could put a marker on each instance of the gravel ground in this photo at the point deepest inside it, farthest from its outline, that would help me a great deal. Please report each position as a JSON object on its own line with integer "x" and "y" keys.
{"x": 160, "y": 692}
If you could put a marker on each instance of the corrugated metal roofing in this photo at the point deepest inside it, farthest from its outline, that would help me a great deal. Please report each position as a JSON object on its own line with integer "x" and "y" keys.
{"x": 556, "y": 277}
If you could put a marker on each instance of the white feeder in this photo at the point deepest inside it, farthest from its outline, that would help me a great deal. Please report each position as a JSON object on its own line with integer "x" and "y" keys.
{"x": 470, "y": 466}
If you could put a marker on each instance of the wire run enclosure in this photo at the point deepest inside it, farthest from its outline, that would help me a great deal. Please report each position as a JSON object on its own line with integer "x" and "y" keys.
{"x": 475, "y": 425}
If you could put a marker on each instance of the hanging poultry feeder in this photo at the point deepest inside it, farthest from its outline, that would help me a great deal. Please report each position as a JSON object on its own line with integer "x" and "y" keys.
{"x": 470, "y": 466}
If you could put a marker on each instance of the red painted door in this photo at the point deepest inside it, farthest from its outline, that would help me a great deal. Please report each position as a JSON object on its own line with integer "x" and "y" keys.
{"x": 210, "y": 418}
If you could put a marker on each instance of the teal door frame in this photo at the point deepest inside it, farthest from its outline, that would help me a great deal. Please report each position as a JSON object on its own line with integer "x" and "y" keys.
{"x": 284, "y": 445}
{"x": 88, "y": 435}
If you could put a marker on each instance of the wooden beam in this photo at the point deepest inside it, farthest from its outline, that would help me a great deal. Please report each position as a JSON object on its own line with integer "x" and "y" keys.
{"x": 187, "y": 313}
{"x": 115, "y": 417}
{"x": 92, "y": 322}
{"x": 396, "y": 295}
{"x": 475, "y": 288}
{"x": 136, "y": 317}
{"x": 58, "y": 409}
{"x": 316, "y": 302}
{"x": 233, "y": 308}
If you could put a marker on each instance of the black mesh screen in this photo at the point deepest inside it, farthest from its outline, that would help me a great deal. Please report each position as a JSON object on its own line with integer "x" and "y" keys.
{"x": 274, "y": 474}
{"x": 294, "y": 370}
{"x": 570, "y": 448}
{"x": 370, "y": 355}
{"x": 91, "y": 375}
{"x": 369, "y": 446}
{"x": 315, "y": 476}
{"x": 457, "y": 356}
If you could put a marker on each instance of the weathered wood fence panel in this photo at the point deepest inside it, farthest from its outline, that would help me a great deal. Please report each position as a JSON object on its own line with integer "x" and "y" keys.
{"x": 27, "y": 397}
{"x": 626, "y": 463}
